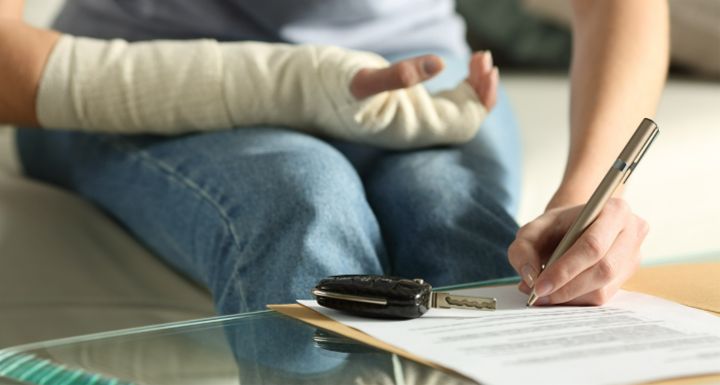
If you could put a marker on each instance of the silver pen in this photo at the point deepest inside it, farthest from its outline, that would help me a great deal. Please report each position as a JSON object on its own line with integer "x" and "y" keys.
{"x": 618, "y": 174}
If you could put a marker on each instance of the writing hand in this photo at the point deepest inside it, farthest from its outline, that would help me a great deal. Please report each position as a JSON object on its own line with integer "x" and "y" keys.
{"x": 593, "y": 269}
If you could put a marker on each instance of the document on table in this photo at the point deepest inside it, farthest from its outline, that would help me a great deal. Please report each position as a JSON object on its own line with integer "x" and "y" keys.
{"x": 635, "y": 338}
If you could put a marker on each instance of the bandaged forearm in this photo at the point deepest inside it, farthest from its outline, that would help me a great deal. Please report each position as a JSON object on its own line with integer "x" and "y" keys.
{"x": 173, "y": 87}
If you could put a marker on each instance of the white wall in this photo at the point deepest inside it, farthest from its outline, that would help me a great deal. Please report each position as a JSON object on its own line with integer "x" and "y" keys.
{"x": 677, "y": 186}
{"x": 41, "y": 12}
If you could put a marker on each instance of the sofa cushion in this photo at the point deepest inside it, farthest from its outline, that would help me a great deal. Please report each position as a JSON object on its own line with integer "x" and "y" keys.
{"x": 67, "y": 270}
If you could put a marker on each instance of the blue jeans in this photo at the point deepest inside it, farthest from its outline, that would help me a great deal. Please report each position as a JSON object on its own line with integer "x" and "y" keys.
{"x": 259, "y": 215}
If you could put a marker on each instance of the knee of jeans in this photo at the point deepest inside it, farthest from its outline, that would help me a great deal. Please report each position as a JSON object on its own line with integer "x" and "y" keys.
{"x": 314, "y": 182}
{"x": 415, "y": 183}
{"x": 293, "y": 191}
{"x": 424, "y": 194}
{"x": 441, "y": 222}
{"x": 308, "y": 219}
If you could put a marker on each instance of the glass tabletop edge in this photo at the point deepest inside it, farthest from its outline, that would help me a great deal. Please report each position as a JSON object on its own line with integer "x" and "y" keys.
{"x": 129, "y": 331}
{"x": 201, "y": 321}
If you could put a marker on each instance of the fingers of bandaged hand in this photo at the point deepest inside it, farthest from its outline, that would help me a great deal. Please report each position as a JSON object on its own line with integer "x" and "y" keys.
{"x": 405, "y": 115}
{"x": 594, "y": 268}
{"x": 412, "y": 117}
{"x": 403, "y": 74}
{"x": 484, "y": 78}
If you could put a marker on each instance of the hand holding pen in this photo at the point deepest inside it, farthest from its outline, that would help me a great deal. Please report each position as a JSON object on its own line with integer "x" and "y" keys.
{"x": 582, "y": 255}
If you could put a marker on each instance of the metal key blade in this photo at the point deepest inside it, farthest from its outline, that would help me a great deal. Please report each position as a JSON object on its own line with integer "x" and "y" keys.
{"x": 447, "y": 301}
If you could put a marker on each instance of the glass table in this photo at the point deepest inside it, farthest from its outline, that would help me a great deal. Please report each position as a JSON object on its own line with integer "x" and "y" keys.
{"x": 254, "y": 348}
{"x": 262, "y": 347}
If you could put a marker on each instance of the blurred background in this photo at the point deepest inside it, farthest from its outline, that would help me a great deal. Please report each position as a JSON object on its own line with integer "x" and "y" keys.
{"x": 117, "y": 283}
{"x": 677, "y": 188}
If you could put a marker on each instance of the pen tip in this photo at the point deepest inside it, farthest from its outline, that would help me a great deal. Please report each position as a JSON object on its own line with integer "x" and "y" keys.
{"x": 531, "y": 300}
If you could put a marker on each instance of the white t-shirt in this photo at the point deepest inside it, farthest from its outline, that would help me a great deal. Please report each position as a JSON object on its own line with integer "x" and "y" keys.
{"x": 383, "y": 26}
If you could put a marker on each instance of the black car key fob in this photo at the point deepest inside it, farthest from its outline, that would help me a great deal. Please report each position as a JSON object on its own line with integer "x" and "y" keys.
{"x": 380, "y": 296}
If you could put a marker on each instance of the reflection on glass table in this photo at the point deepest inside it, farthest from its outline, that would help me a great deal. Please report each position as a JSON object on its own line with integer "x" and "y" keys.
{"x": 254, "y": 348}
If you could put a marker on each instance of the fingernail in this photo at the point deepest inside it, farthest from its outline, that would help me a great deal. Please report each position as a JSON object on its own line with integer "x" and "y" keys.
{"x": 529, "y": 274}
{"x": 542, "y": 301}
{"x": 543, "y": 288}
{"x": 431, "y": 66}
{"x": 487, "y": 59}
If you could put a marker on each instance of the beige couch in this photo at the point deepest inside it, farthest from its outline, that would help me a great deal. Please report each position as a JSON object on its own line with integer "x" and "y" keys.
{"x": 66, "y": 269}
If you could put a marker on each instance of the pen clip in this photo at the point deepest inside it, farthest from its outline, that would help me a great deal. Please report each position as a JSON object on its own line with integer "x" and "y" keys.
{"x": 641, "y": 154}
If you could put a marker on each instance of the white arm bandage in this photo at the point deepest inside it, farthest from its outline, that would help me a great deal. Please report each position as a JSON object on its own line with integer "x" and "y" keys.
{"x": 171, "y": 87}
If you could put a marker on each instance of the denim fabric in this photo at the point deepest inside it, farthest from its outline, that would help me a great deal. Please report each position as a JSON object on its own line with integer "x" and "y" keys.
{"x": 260, "y": 214}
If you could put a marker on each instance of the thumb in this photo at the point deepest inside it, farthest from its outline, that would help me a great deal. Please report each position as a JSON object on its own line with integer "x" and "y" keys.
{"x": 403, "y": 74}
